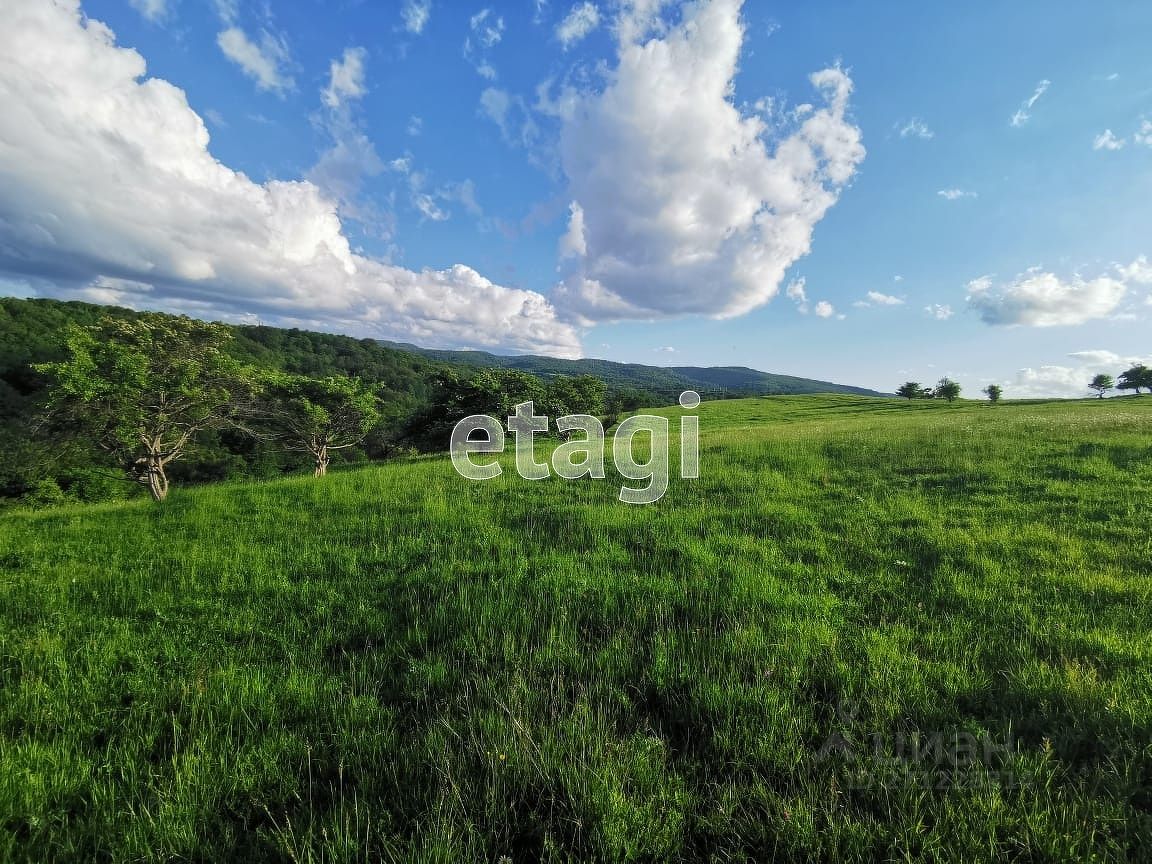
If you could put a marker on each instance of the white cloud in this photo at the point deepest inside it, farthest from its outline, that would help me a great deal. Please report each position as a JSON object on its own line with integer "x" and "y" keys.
{"x": 105, "y": 174}
{"x": 1023, "y": 113}
{"x": 939, "y": 311}
{"x": 798, "y": 293}
{"x": 1144, "y": 135}
{"x": 1050, "y": 382}
{"x": 665, "y": 349}
{"x": 914, "y": 128}
{"x": 511, "y": 114}
{"x": 578, "y": 23}
{"x": 342, "y": 168}
{"x": 1039, "y": 299}
{"x": 495, "y": 103}
{"x": 264, "y": 63}
{"x": 345, "y": 78}
{"x": 1098, "y": 357}
{"x": 824, "y": 309}
{"x": 956, "y": 194}
{"x": 1139, "y": 271}
{"x": 487, "y": 28}
{"x": 486, "y": 31}
{"x": 687, "y": 207}
{"x": 416, "y": 14}
{"x": 153, "y": 10}
{"x": 875, "y": 298}
{"x": 1071, "y": 382}
{"x": 415, "y": 126}
{"x": 1107, "y": 141}
{"x": 572, "y": 244}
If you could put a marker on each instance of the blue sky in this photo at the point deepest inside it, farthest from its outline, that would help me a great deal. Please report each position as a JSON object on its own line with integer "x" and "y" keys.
{"x": 859, "y": 192}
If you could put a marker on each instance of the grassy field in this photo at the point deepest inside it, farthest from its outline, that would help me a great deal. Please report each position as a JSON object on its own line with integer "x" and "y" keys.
{"x": 871, "y": 631}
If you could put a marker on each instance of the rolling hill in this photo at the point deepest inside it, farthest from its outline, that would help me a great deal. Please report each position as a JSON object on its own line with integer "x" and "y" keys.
{"x": 665, "y": 381}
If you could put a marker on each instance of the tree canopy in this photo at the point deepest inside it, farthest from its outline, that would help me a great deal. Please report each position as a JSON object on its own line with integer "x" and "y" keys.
{"x": 1137, "y": 378}
{"x": 141, "y": 390}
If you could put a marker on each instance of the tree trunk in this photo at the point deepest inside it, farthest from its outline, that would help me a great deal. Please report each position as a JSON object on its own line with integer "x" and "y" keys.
{"x": 150, "y": 472}
{"x": 322, "y": 460}
{"x": 158, "y": 485}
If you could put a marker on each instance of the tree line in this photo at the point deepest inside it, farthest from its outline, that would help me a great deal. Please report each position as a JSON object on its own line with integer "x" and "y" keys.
{"x": 142, "y": 393}
{"x": 945, "y": 388}
{"x": 1137, "y": 378}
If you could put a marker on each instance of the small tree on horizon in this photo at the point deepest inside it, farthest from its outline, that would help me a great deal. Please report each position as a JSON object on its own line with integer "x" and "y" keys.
{"x": 1139, "y": 376}
{"x": 993, "y": 392}
{"x": 948, "y": 389}
{"x": 142, "y": 390}
{"x": 1101, "y": 384}
{"x": 910, "y": 390}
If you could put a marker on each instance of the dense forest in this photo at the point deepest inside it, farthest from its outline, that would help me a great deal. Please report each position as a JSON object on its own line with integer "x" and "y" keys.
{"x": 416, "y": 396}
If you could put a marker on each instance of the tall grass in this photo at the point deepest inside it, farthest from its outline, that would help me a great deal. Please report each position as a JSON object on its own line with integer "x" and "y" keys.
{"x": 870, "y": 631}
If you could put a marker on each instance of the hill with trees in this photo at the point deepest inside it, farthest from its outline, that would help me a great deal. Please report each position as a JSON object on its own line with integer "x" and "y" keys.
{"x": 316, "y": 396}
{"x": 664, "y": 383}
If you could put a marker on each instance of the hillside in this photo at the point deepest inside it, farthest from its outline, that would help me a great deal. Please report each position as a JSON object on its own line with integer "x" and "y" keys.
{"x": 870, "y": 631}
{"x": 666, "y": 382}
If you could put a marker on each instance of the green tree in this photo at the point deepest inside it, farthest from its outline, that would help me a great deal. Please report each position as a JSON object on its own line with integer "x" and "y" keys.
{"x": 1101, "y": 384}
{"x": 317, "y": 416}
{"x": 913, "y": 390}
{"x": 581, "y": 394}
{"x": 993, "y": 392}
{"x": 948, "y": 389}
{"x": 1135, "y": 378}
{"x": 142, "y": 390}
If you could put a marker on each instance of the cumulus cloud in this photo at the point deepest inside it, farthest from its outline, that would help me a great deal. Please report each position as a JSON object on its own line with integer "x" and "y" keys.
{"x": 106, "y": 175}
{"x": 345, "y": 78}
{"x": 1144, "y": 135}
{"x": 955, "y": 194}
{"x": 1071, "y": 382}
{"x": 914, "y": 128}
{"x": 687, "y": 206}
{"x": 824, "y": 309}
{"x": 1024, "y": 112}
{"x": 578, "y": 23}
{"x": 1139, "y": 271}
{"x": 416, "y": 14}
{"x": 1039, "y": 299}
{"x": 263, "y": 62}
{"x": 1106, "y": 140}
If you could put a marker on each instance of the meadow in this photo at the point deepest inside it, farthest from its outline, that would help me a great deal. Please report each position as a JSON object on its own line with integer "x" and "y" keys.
{"x": 870, "y": 631}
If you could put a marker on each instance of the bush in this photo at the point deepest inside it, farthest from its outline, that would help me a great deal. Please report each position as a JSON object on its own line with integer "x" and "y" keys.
{"x": 45, "y": 493}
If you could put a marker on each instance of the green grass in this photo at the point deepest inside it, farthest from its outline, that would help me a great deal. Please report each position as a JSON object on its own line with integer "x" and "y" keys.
{"x": 871, "y": 631}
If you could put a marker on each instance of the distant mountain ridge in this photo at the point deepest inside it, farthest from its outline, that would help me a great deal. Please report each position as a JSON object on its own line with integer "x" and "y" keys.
{"x": 668, "y": 381}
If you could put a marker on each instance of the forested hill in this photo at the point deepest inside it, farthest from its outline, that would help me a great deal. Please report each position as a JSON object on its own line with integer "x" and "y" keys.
{"x": 419, "y": 395}
{"x": 31, "y": 332}
{"x": 665, "y": 381}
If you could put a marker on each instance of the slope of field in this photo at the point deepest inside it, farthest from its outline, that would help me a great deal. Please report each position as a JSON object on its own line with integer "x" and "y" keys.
{"x": 871, "y": 631}
{"x": 665, "y": 381}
